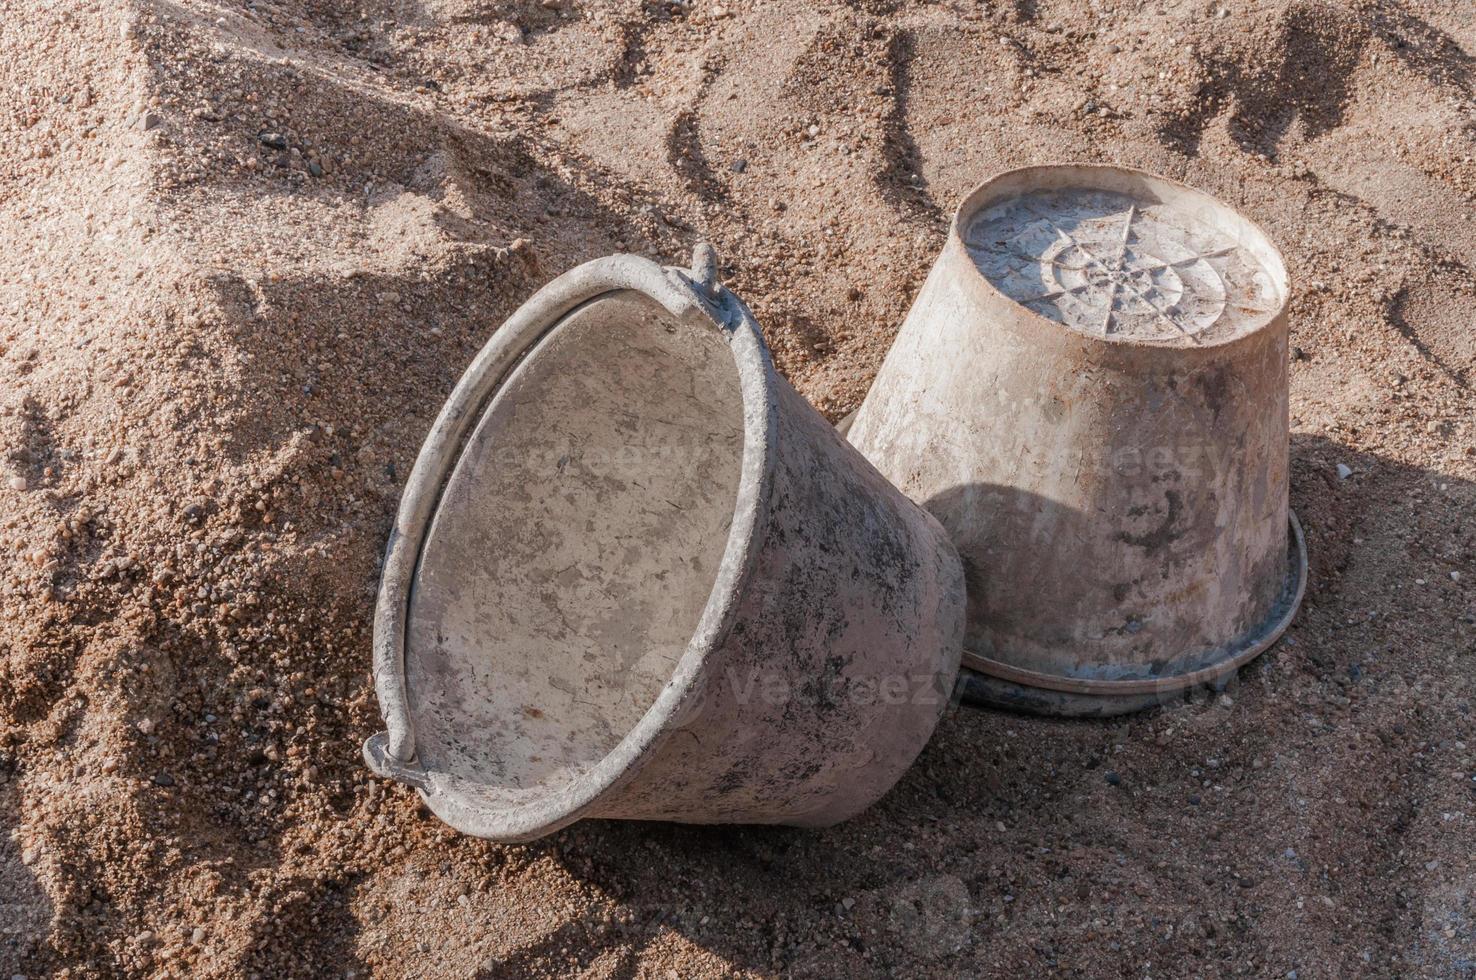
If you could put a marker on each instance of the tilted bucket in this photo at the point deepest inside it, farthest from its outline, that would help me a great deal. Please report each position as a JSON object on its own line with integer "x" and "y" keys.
{"x": 1090, "y": 393}
{"x": 636, "y": 575}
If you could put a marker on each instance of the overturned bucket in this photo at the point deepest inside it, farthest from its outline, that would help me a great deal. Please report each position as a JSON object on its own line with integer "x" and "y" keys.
{"x": 1090, "y": 393}
{"x": 634, "y": 574}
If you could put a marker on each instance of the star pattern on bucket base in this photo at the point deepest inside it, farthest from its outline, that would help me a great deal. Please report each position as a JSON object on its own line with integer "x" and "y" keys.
{"x": 1112, "y": 266}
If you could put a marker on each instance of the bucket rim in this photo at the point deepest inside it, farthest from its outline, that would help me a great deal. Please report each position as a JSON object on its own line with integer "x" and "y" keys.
{"x": 984, "y": 678}
{"x": 988, "y": 190}
{"x": 693, "y": 297}
{"x": 1222, "y": 661}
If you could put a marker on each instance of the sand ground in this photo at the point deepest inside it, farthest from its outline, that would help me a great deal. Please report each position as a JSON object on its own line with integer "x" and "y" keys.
{"x": 247, "y": 248}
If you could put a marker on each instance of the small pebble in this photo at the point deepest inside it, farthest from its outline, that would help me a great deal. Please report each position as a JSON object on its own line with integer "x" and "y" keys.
{"x": 1344, "y": 471}
{"x": 18, "y": 483}
{"x": 739, "y": 165}
{"x": 163, "y": 779}
{"x": 1113, "y": 779}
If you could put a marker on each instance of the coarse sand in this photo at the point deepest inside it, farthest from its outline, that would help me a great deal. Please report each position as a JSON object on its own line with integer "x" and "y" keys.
{"x": 246, "y": 249}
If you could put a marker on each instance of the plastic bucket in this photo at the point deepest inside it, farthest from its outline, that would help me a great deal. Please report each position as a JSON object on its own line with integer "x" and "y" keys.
{"x": 634, "y": 574}
{"x": 1090, "y": 393}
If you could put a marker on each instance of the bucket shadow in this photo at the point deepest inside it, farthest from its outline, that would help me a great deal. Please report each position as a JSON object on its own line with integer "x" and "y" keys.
{"x": 1005, "y": 820}
{"x": 25, "y": 908}
{"x": 1010, "y": 515}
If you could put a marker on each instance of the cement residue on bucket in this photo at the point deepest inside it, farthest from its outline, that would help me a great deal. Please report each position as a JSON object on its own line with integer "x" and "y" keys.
{"x": 1124, "y": 266}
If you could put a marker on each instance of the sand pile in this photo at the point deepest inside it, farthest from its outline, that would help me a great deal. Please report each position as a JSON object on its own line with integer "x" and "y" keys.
{"x": 247, "y": 250}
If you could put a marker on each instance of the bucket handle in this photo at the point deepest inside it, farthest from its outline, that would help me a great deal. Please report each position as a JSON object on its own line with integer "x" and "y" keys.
{"x": 377, "y": 757}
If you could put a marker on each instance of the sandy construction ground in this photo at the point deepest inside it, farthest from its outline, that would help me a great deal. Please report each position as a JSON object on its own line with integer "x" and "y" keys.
{"x": 247, "y": 248}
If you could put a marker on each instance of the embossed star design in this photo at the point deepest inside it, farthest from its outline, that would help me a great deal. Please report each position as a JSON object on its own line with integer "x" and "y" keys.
{"x": 1116, "y": 274}
{"x": 1121, "y": 280}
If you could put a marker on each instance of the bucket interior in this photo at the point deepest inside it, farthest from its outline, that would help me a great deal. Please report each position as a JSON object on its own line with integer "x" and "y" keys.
{"x": 573, "y": 550}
